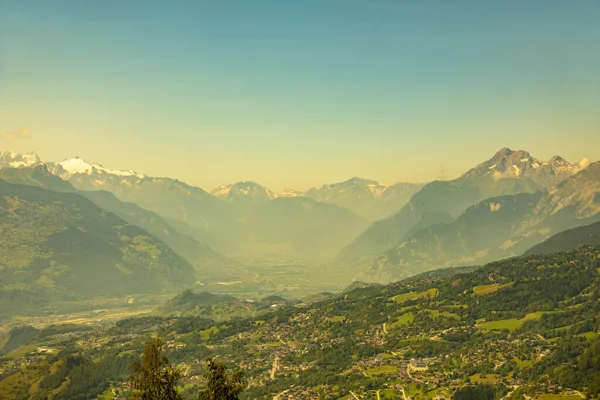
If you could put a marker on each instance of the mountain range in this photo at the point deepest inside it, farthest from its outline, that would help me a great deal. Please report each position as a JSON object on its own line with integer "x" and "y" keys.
{"x": 199, "y": 255}
{"x": 497, "y": 209}
{"x": 369, "y": 199}
{"x": 64, "y": 239}
{"x": 12, "y": 159}
{"x": 495, "y": 228}
{"x": 508, "y": 172}
{"x": 239, "y": 220}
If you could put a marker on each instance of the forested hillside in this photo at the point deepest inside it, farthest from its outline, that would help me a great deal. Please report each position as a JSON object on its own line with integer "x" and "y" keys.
{"x": 60, "y": 246}
{"x": 524, "y": 325}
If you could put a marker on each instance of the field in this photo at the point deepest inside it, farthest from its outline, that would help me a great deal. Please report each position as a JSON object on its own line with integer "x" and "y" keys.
{"x": 404, "y": 319}
{"x": 439, "y": 314}
{"x": 589, "y": 335}
{"x": 404, "y": 297}
{"x": 205, "y": 334}
{"x": 93, "y": 317}
{"x": 383, "y": 370}
{"x": 510, "y": 324}
{"x": 287, "y": 278}
{"x": 523, "y": 363}
{"x": 487, "y": 289}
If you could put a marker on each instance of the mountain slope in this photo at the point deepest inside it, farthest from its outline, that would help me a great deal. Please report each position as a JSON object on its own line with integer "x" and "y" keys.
{"x": 213, "y": 221}
{"x": 61, "y": 244}
{"x": 507, "y": 173}
{"x": 588, "y": 235}
{"x": 474, "y": 237}
{"x": 243, "y": 194}
{"x": 368, "y": 199}
{"x": 204, "y": 259}
{"x": 572, "y": 203}
{"x": 301, "y": 227}
{"x": 243, "y": 221}
{"x": 498, "y": 228}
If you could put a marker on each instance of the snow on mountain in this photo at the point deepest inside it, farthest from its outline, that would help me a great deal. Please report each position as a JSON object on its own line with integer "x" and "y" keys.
{"x": 369, "y": 199}
{"x": 78, "y": 165}
{"x": 560, "y": 166}
{"x": 356, "y": 187}
{"x": 508, "y": 163}
{"x": 243, "y": 192}
{"x": 288, "y": 193}
{"x": 377, "y": 189}
{"x": 12, "y": 159}
{"x": 221, "y": 191}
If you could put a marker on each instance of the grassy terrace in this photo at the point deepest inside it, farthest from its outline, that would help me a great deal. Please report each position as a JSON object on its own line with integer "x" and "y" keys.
{"x": 487, "y": 289}
{"x": 510, "y": 324}
{"x": 404, "y": 297}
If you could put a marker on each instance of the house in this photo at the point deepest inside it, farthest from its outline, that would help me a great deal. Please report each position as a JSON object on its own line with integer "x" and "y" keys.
{"x": 418, "y": 365}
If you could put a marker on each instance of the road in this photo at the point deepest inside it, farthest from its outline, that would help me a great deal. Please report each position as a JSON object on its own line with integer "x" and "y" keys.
{"x": 281, "y": 340}
{"x": 275, "y": 367}
{"x": 277, "y": 396}
{"x": 403, "y": 393}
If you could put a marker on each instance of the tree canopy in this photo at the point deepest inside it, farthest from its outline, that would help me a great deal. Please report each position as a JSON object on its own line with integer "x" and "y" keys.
{"x": 220, "y": 384}
{"x": 155, "y": 378}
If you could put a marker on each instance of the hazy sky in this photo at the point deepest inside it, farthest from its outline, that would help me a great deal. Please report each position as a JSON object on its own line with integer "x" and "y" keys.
{"x": 299, "y": 93}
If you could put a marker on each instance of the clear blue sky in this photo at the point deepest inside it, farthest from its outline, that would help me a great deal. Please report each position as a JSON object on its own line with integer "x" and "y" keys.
{"x": 299, "y": 93}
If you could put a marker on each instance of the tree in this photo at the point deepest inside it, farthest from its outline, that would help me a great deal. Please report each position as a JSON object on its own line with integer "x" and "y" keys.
{"x": 221, "y": 385}
{"x": 155, "y": 378}
{"x": 480, "y": 392}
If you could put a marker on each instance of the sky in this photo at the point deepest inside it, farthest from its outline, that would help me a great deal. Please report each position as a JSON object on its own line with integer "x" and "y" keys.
{"x": 295, "y": 94}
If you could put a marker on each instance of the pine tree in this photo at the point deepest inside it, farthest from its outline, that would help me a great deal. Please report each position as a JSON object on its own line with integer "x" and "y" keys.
{"x": 155, "y": 378}
{"x": 220, "y": 384}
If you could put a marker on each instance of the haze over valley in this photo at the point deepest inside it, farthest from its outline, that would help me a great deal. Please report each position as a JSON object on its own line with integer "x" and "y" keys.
{"x": 244, "y": 200}
{"x": 77, "y": 223}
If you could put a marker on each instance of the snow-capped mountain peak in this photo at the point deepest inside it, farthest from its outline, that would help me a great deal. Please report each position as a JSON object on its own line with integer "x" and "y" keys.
{"x": 73, "y": 166}
{"x": 12, "y": 159}
{"x": 221, "y": 191}
{"x": 243, "y": 192}
{"x": 352, "y": 187}
{"x": 76, "y": 166}
{"x": 559, "y": 165}
{"x": 507, "y": 163}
